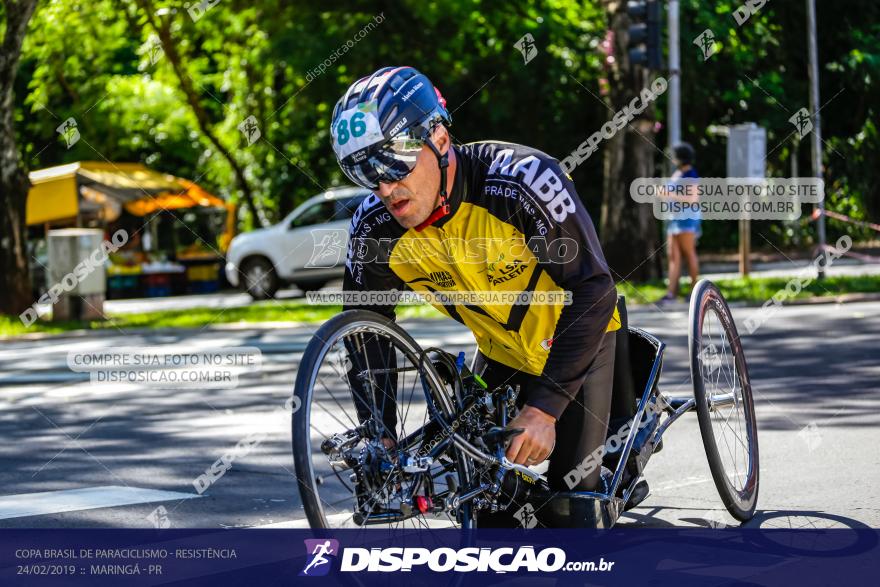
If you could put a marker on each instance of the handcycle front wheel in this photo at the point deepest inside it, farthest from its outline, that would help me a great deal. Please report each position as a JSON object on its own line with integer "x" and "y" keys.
{"x": 723, "y": 394}
{"x": 360, "y": 345}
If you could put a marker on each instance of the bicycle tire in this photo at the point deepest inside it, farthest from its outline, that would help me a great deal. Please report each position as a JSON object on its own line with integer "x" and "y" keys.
{"x": 705, "y": 298}
{"x": 311, "y": 361}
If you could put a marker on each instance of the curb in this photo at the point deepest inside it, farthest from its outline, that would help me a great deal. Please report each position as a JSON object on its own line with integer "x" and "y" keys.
{"x": 816, "y": 300}
{"x": 840, "y": 299}
{"x": 98, "y": 332}
{"x": 241, "y": 326}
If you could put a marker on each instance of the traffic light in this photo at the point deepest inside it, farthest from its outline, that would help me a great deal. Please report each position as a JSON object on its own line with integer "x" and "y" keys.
{"x": 645, "y": 33}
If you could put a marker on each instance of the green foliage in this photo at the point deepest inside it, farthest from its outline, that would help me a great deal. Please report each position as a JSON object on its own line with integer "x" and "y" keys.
{"x": 88, "y": 60}
{"x": 757, "y": 290}
{"x": 760, "y": 75}
{"x": 270, "y": 311}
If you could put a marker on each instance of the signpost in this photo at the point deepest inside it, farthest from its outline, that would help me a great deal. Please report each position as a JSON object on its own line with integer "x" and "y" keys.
{"x": 746, "y": 157}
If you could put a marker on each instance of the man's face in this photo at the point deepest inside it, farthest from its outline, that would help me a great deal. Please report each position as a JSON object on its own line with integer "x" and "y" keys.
{"x": 412, "y": 199}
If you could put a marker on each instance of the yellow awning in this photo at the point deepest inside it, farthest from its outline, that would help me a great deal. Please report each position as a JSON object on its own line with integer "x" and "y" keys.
{"x": 129, "y": 176}
{"x": 144, "y": 206}
{"x": 54, "y": 199}
{"x": 57, "y": 191}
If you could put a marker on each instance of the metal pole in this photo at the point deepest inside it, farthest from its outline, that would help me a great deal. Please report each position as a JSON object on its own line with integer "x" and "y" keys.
{"x": 674, "y": 133}
{"x": 817, "y": 133}
{"x": 795, "y": 225}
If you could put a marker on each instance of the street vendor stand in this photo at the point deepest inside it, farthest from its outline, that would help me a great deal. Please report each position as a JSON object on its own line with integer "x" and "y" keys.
{"x": 177, "y": 231}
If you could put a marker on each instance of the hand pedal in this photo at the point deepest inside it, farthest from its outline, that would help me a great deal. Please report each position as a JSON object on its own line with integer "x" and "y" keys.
{"x": 498, "y": 435}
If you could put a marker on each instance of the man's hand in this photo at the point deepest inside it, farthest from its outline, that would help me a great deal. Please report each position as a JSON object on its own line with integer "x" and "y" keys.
{"x": 537, "y": 440}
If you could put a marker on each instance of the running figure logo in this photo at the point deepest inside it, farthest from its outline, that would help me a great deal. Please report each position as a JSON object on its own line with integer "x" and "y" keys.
{"x": 321, "y": 553}
{"x": 802, "y": 122}
{"x": 526, "y": 516}
{"x": 328, "y": 248}
{"x": 69, "y": 132}
{"x": 706, "y": 42}
{"x": 526, "y": 45}
{"x": 250, "y": 129}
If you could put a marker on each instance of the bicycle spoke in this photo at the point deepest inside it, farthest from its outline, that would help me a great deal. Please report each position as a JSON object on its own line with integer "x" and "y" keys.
{"x": 719, "y": 364}
{"x": 336, "y": 401}
{"x": 371, "y": 366}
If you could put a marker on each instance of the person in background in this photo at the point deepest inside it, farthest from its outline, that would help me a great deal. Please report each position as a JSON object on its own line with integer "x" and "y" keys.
{"x": 682, "y": 233}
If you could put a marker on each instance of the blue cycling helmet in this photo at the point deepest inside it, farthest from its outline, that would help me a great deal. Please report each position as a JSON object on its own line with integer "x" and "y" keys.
{"x": 382, "y": 121}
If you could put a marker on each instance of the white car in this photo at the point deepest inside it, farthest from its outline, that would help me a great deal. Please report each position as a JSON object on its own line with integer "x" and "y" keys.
{"x": 306, "y": 249}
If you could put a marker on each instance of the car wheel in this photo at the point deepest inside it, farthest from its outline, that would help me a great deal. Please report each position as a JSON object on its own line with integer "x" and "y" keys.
{"x": 259, "y": 279}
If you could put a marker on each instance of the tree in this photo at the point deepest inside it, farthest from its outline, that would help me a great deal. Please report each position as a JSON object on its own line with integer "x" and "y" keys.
{"x": 628, "y": 229}
{"x": 161, "y": 25}
{"x": 86, "y": 59}
{"x": 14, "y": 183}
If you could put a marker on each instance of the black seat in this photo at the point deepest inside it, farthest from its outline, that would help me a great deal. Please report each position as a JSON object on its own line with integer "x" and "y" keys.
{"x": 623, "y": 398}
{"x": 634, "y": 359}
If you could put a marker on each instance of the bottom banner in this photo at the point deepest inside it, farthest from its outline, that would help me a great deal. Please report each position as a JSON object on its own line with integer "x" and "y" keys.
{"x": 439, "y": 557}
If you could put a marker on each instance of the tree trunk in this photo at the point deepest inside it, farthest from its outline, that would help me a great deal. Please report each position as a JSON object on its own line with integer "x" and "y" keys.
{"x": 15, "y": 283}
{"x": 628, "y": 229}
{"x": 161, "y": 26}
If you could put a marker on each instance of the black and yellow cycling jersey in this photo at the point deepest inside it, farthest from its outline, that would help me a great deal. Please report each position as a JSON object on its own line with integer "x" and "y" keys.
{"x": 516, "y": 224}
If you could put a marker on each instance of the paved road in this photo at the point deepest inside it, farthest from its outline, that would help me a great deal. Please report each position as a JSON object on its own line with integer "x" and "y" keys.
{"x": 126, "y": 456}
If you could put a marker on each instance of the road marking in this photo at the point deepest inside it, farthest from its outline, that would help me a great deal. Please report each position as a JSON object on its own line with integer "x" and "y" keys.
{"x": 339, "y": 520}
{"x": 687, "y": 481}
{"x": 87, "y": 498}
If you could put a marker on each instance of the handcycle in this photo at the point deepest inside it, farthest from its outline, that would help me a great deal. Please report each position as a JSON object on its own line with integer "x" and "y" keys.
{"x": 390, "y": 434}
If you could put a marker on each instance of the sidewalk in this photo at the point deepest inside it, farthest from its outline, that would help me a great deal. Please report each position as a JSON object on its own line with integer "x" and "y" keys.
{"x": 840, "y": 267}
{"x": 236, "y": 299}
{"x": 220, "y": 300}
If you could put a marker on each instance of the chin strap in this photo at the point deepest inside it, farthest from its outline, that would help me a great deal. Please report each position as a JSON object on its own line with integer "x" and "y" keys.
{"x": 443, "y": 209}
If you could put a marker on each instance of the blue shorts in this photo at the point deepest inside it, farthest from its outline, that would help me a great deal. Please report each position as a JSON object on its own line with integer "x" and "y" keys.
{"x": 683, "y": 225}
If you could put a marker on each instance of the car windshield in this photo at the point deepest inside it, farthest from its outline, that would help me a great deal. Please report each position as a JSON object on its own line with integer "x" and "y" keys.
{"x": 328, "y": 211}
{"x": 316, "y": 214}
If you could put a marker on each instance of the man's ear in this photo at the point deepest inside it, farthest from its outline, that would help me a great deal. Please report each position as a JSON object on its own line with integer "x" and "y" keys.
{"x": 441, "y": 139}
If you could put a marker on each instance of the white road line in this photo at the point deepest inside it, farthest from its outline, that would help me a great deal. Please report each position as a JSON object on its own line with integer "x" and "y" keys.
{"x": 87, "y": 498}
{"x": 687, "y": 481}
{"x": 337, "y": 519}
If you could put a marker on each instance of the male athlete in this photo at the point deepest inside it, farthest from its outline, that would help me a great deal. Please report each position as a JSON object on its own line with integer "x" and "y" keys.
{"x": 485, "y": 217}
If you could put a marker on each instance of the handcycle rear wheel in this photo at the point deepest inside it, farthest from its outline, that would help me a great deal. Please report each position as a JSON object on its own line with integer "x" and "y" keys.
{"x": 329, "y": 489}
{"x": 724, "y": 403}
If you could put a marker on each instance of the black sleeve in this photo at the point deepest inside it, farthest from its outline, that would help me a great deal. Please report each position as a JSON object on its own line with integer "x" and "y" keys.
{"x": 556, "y": 215}
{"x": 367, "y": 270}
{"x": 370, "y": 241}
